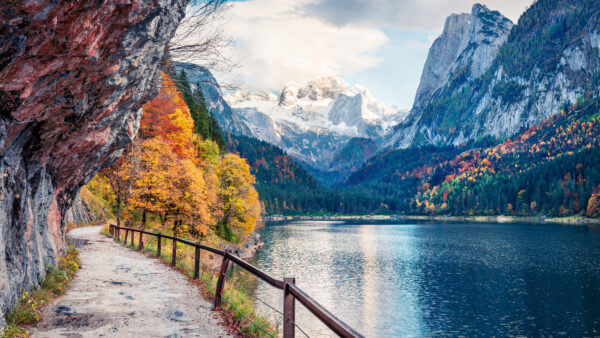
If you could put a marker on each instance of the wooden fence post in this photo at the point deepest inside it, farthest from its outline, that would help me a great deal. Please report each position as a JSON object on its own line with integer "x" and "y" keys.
{"x": 221, "y": 280}
{"x": 159, "y": 244}
{"x": 174, "y": 253}
{"x": 118, "y": 234}
{"x": 132, "y": 235}
{"x": 141, "y": 244}
{"x": 197, "y": 263}
{"x": 289, "y": 309}
{"x": 126, "y": 234}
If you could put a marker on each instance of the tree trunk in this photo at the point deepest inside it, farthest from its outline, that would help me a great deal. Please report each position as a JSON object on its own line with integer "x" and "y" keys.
{"x": 176, "y": 224}
{"x": 144, "y": 219}
{"x": 119, "y": 214}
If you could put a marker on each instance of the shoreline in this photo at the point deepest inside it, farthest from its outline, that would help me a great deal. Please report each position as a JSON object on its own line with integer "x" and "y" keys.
{"x": 571, "y": 220}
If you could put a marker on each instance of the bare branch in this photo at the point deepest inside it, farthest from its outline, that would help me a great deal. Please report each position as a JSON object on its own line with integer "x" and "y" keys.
{"x": 198, "y": 38}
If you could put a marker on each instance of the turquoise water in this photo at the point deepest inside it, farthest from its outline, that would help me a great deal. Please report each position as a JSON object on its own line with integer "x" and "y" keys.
{"x": 440, "y": 279}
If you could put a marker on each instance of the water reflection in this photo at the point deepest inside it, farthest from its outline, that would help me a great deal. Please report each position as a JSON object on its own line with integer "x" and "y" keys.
{"x": 440, "y": 279}
{"x": 369, "y": 296}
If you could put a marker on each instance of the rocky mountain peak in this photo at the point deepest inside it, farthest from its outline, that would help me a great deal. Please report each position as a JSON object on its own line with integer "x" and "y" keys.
{"x": 466, "y": 47}
{"x": 516, "y": 76}
{"x": 316, "y": 90}
{"x": 313, "y": 120}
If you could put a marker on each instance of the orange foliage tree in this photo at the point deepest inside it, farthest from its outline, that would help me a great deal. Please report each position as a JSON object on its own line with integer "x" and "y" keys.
{"x": 168, "y": 118}
{"x": 182, "y": 179}
{"x": 151, "y": 191}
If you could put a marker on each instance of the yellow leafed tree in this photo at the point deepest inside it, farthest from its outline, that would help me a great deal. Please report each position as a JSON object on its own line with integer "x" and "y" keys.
{"x": 151, "y": 191}
{"x": 241, "y": 207}
{"x": 187, "y": 202}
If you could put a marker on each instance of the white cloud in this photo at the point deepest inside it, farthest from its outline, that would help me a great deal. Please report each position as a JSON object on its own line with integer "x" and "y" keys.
{"x": 427, "y": 15}
{"x": 275, "y": 43}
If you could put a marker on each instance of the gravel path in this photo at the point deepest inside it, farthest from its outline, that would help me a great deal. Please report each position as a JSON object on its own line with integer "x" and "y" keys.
{"x": 121, "y": 293}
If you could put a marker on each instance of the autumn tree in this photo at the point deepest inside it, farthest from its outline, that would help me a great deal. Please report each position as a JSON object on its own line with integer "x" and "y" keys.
{"x": 209, "y": 157}
{"x": 122, "y": 175}
{"x": 151, "y": 191}
{"x": 239, "y": 199}
{"x": 593, "y": 207}
{"x": 187, "y": 199}
{"x": 168, "y": 118}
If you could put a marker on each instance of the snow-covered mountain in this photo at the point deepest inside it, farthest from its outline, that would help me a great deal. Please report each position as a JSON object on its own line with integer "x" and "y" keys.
{"x": 312, "y": 122}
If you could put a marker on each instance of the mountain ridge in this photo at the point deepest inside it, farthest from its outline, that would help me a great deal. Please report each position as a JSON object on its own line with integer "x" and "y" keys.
{"x": 549, "y": 57}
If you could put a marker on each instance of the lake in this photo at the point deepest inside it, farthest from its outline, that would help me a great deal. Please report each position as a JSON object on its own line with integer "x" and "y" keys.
{"x": 439, "y": 279}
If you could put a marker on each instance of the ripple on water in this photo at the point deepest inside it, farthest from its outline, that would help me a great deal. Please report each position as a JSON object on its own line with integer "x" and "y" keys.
{"x": 440, "y": 279}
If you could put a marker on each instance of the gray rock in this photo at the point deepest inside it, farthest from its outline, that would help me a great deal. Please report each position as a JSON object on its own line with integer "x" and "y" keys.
{"x": 81, "y": 213}
{"x": 70, "y": 102}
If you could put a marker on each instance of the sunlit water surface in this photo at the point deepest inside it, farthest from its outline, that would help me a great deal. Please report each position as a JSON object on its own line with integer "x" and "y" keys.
{"x": 454, "y": 279}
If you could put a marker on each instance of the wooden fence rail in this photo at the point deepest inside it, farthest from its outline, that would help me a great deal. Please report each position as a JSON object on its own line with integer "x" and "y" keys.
{"x": 291, "y": 292}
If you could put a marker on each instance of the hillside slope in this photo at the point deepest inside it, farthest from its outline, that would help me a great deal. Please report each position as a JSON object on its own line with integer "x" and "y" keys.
{"x": 550, "y": 57}
{"x": 552, "y": 168}
{"x": 277, "y": 175}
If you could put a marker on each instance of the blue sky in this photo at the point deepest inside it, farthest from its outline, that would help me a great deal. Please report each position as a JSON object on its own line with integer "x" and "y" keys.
{"x": 381, "y": 44}
{"x": 395, "y": 79}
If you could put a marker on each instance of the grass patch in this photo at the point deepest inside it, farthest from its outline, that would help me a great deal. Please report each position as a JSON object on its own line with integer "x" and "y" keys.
{"x": 30, "y": 305}
{"x": 207, "y": 281}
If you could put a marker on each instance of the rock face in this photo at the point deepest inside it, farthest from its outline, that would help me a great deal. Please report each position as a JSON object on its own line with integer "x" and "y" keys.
{"x": 73, "y": 76}
{"x": 81, "y": 212}
{"x": 213, "y": 96}
{"x": 466, "y": 48}
{"x": 464, "y": 51}
{"x": 501, "y": 82}
{"x": 442, "y": 55}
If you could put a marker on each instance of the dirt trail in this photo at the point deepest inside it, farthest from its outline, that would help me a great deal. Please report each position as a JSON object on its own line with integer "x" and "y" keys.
{"x": 121, "y": 293}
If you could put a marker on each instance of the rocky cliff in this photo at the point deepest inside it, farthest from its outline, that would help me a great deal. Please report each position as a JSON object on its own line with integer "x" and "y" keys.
{"x": 464, "y": 51}
{"x": 467, "y": 47}
{"x": 443, "y": 53}
{"x": 81, "y": 212}
{"x": 73, "y": 76}
{"x": 502, "y": 83}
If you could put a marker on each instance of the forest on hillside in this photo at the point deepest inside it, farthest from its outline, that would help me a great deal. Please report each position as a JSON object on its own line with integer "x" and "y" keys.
{"x": 550, "y": 169}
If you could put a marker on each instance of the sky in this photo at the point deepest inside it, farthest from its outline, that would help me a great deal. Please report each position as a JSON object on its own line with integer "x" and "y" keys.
{"x": 381, "y": 44}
